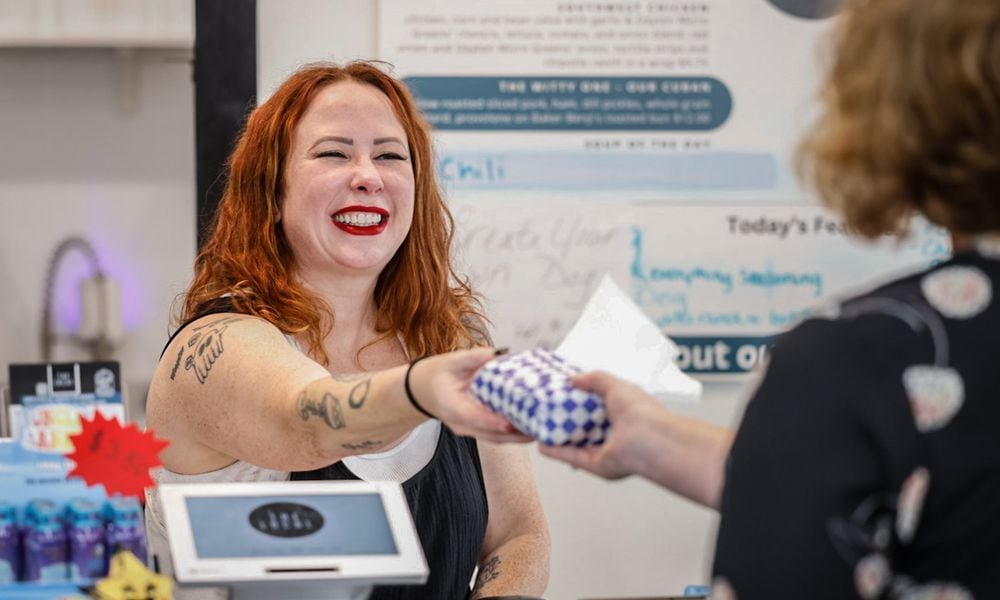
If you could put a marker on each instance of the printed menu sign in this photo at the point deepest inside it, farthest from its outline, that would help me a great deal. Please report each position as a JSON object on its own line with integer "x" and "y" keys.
{"x": 49, "y": 399}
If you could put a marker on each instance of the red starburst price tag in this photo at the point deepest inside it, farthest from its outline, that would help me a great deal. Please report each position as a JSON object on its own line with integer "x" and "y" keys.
{"x": 119, "y": 458}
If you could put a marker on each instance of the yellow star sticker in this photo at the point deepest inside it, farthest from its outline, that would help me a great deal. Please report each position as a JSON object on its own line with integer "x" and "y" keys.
{"x": 129, "y": 579}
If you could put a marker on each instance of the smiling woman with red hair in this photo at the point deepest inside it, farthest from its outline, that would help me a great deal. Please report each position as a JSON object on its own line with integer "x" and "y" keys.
{"x": 327, "y": 336}
{"x": 248, "y": 258}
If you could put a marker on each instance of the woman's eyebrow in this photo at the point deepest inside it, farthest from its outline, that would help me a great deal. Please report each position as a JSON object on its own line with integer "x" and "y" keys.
{"x": 333, "y": 138}
{"x": 350, "y": 141}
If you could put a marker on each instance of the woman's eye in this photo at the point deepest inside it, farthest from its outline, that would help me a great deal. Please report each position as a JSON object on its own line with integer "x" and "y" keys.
{"x": 331, "y": 154}
{"x": 391, "y": 156}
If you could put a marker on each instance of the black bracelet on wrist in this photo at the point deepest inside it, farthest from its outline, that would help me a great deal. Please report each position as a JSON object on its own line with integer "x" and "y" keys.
{"x": 409, "y": 392}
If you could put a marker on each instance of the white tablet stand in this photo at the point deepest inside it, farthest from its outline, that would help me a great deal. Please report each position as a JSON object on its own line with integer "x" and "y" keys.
{"x": 303, "y": 540}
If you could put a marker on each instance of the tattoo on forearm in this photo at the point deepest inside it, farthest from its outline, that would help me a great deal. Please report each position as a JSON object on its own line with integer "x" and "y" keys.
{"x": 365, "y": 445}
{"x": 177, "y": 363}
{"x": 487, "y": 573}
{"x": 209, "y": 349}
{"x": 328, "y": 409}
{"x": 336, "y": 417}
{"x": 359, "y": 394}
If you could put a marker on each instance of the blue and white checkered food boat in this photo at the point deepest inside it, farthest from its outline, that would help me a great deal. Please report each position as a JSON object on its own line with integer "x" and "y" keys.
{"x": 532, "y": 390}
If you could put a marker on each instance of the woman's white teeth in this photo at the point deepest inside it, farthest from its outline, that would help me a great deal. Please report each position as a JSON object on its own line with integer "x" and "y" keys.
{"x": 358, "y": 219}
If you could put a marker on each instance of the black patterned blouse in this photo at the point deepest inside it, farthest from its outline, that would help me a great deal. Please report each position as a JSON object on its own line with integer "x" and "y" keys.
{"x": 868, "y": 461}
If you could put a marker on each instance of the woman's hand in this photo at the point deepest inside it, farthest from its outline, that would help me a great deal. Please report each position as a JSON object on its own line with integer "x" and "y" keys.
{"x": 440, "y": 385}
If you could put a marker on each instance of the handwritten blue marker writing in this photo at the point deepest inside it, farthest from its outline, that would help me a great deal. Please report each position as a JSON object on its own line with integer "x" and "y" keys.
{"x": 688, "y": 276}
{"x": 769, "y": 278}
{"x": 693, "y": 275}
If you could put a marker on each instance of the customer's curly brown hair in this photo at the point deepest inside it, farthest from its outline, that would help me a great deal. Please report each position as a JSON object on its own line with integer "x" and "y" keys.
{"x": 910, "y": 118}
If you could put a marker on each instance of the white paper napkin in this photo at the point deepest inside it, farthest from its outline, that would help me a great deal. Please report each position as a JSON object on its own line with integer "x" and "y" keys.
{"x": 613, "y": 334}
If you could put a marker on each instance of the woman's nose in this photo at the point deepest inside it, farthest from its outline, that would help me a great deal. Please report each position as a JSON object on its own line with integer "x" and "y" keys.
{"x": 366, "y": 177}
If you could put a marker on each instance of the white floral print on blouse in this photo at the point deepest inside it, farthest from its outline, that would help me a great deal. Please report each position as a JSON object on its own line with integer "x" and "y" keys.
{"x": 911, "y": 503}
{"x": 935, "y": 393}
{"x": 871, "y": 576}
{"x": 988, "y": 246}
{"x": 957, "y": 292}
{"x": 937, "y": 591}
{"x": 721, "y": 589}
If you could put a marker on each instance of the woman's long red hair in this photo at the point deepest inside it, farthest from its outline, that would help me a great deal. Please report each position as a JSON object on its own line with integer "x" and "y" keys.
{"x": 246, "y": 256}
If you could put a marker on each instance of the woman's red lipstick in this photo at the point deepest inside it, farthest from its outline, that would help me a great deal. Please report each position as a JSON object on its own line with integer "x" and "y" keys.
{"x": 366, "y": 224}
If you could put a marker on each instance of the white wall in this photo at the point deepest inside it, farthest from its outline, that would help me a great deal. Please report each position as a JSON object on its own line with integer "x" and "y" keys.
{"x": 629, "y": 538}
{"x": 626, "y": 538}
{"x": 75, "y": 159}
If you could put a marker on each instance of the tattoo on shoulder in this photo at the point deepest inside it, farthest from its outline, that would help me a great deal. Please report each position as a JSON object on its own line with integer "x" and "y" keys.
{"x": 196, "y": 332}
{"x": 216, "y": 323}
{"x": 177, "y": 363}
{"x": 207, "y": 347}
{"x": 359, "y": 393}
{"x": 488, "y": 571}
{"x": 365, "y": 445}
{"x": 327, "y": 408}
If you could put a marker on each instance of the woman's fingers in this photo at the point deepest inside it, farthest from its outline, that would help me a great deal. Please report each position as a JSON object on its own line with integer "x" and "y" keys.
{"x": 562, "y": 453}
{"x": 598, "y": 382}
{"x": 482, "y": 418}
{"x": 473, "y": 359}
{"x": 578, "y": 458}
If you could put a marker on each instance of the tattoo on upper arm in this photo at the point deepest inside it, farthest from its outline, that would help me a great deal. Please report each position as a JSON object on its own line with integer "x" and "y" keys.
{"x": 327, "y": 408}
{"x": 359, "y": 393}
{"x": 205, "y": 355}
{"x": 487, "y": 573}
{"x": 177, "y": 363}
{"x": 207, "y": 347}
{"x": 365, "y": 445}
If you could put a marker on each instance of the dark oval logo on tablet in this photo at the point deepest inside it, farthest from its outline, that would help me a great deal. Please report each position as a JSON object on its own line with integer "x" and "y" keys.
{"x": 286, "y": 519}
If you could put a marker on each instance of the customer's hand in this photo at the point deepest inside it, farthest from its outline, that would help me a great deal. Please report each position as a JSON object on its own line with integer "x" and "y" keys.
{"x": 440, "y": 384}
{"x": 630, "y": 410}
